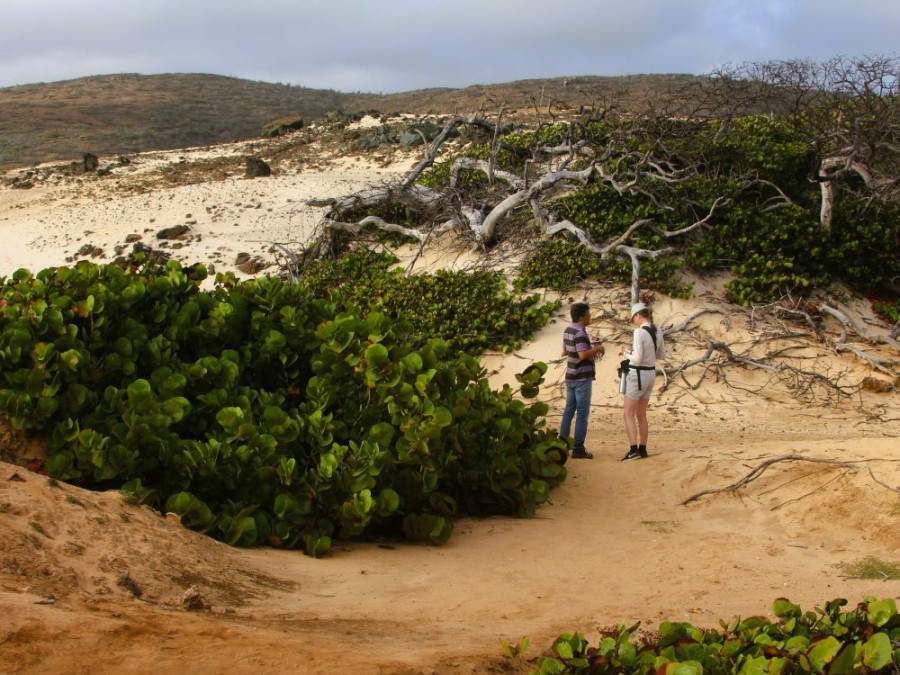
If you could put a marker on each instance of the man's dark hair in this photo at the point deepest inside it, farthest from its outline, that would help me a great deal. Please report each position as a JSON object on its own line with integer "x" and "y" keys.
{"x": 579, "y": 309}
{"x": 644, "y": 313}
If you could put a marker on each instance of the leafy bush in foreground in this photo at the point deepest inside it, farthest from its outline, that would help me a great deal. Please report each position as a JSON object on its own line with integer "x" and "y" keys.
{"x": 260, "y": 413}
{"x": 862, "y": 640}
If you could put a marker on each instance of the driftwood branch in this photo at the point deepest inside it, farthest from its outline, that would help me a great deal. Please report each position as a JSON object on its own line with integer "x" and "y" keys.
{"x": 671, "y": 330}
{"x": 486, "y": 233}
{"x": 635, "y": 255}
{"x": 830, "y": 170}
{"x": 379, "y": 223}
{"x": 863, "y": 332}
{"x": 434, "y": 149}
{"x": 758, "y": 470}
{"x": 802, "y": 382}
{"x": 481, "y": 165}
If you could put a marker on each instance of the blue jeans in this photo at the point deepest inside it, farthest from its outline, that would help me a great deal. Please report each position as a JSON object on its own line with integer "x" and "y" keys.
{"x": 578, "y": 405}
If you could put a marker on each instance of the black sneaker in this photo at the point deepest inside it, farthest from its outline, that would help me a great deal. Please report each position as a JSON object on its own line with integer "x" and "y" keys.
{"x": 582, "y": 454}
{"x": 634, "y": 454}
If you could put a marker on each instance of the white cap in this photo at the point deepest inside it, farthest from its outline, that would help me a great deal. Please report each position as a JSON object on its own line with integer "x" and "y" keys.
{"x": 637, "y": 307}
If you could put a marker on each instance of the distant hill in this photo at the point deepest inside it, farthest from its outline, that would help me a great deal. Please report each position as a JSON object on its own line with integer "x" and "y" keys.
{"x": 525, "y": 97}
{"x": 120, "y": 114}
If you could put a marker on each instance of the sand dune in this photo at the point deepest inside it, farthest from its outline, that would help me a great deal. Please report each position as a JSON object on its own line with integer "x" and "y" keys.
{"x": 89, "y": 582}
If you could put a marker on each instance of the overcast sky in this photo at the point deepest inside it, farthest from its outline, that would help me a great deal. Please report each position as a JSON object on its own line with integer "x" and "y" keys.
{"x": 399, "y": 45}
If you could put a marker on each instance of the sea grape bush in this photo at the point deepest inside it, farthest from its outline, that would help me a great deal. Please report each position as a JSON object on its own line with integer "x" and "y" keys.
{"x": 259, "y": 412}
{"x": 865, "y": 639}
{"x": 560, "y": 265}
{"x": 472, "y": 311}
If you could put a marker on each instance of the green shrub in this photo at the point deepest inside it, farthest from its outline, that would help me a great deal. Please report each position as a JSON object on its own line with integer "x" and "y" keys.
{"x": 261, "y": 413}
{"x": 472, "y": 311}
{"x": 771, "y": 253}
{"x": 864, "y": 243}
{"x": 862, "y": 640}
{"x": 561, "y": 264}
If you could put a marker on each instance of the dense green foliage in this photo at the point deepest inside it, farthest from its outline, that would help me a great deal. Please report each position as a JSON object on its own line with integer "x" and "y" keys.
{"x": 561, "y": 264}
{"x": 767, "y": 232}
{"x": 472, "y": 311}
{"x": 261, "y": 413}
{"x": 862, "y": 640}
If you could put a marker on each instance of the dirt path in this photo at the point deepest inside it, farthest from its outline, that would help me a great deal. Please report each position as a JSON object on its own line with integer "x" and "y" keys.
{"x": 614, "y": 545}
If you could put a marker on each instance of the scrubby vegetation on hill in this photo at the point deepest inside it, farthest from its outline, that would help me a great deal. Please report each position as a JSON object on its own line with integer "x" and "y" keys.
{"x": 126, "y": 113}
{"x": 122, "y": 114}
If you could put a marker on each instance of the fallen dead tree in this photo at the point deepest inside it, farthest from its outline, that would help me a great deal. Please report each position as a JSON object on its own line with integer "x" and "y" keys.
{"x": 479, "y": 215}
{"x": 791, "y": 330}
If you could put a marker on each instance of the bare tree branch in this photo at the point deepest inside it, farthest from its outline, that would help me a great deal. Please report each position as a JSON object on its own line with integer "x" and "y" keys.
{"x": 758, "y": 470}
{"x": 381, "y": 224}
{"x": 846, "y": 321}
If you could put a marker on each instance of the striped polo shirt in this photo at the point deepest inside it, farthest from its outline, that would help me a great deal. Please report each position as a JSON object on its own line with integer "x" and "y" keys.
{"x": 575, "y": 339}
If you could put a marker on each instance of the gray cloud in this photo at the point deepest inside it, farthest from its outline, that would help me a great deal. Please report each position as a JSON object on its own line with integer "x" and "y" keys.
{"x": 399, "y": 45}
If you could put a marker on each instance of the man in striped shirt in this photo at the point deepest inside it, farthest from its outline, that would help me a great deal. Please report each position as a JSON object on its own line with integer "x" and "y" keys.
{"x": 580, "y": 374}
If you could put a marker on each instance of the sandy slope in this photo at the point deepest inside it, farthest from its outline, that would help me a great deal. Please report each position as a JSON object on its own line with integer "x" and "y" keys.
{"x": 615, "y": 544}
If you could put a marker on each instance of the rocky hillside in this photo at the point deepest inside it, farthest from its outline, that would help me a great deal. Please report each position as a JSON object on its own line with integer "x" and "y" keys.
{"x": 126, "y": 113}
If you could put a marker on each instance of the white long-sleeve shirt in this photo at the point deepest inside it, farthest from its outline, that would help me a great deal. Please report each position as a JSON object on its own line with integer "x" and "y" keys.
{"x": 642, "y": 352}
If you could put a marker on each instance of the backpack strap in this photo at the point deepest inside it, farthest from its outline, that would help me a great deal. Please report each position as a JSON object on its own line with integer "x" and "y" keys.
{"x": 650, "y": 328}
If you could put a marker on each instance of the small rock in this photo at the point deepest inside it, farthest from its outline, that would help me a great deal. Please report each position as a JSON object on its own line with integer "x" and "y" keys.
{"x": 877, "y": 386}
{"x": 172, "y": 232}
{"x": 130, "y": 585}
{"x": 192, "y": 601}
{"x": 250, "y": 265}
{"x": 284, "y": 125}
{"x": 257, "y": 168}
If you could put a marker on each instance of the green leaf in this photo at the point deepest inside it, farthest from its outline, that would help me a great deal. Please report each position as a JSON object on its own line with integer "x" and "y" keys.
{"x": 877, "y": 651}
{"x": 550, "y": 666}
{"x": 382, "y": 434}
{"x": 784, "y": 608}
{"x": 822, "y": 652}
{"x": 316, "y": 546}
{"x": 377, "y": 355}
{"x": 240, "y": 531}
{"x": 389, "y": 501}
{"x": 564, "y": 650}
{"x": 442, "y": 417}
{"x": 879, "y": 612}
{"x": 139, "y": 390}
{"x": 70, "y": 359}
{"x": 686, "y": 668}
{"x": 412, "y": 362}
{"x": 847, "y": 660}
{"x": 230, "y": 418}
{"x": 60, "y": 465}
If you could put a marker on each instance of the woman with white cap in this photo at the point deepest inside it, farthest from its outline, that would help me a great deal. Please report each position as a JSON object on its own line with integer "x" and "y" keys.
{"x": 647, "y": 347}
